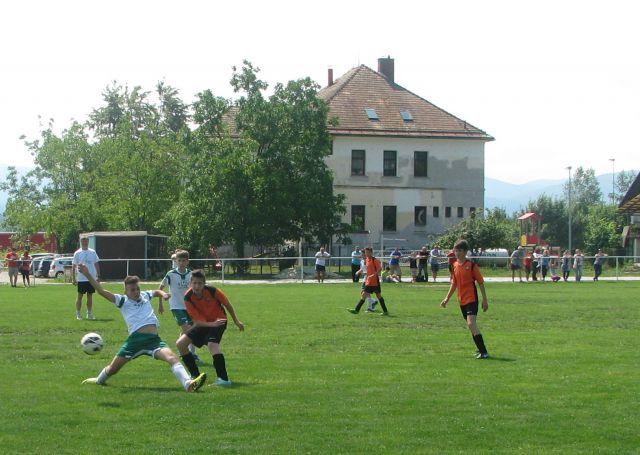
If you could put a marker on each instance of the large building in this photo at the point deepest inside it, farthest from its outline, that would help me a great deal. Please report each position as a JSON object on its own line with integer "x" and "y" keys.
{"x": 408, "y": 169}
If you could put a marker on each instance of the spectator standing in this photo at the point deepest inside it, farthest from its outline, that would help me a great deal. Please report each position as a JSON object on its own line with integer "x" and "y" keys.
{"x": 423, "y": 259}
{"x": 394, "y": 263}
{"x": 598, "y": 261}
{"x": 435, "y": 262}
{"x": 11, "y": 259}
{"x": 25, "y": 268}
{"x": 544, "y": 264}
{"x": 527, "y": 261}
{"x": 566, "y": 265}
{"x": 578, "y": 260}
{"x": 88, "y": 257}
{"x": 356, "y": 257}
{"x": 535, "y": 264}
{"x": 321, "y": 258}
{"x": 516, "y": 264}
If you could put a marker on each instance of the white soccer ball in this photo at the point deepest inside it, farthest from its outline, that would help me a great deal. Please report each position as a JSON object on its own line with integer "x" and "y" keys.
{"x": 91, "y": 343}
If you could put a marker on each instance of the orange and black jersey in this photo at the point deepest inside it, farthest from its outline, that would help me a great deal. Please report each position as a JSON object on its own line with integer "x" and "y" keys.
{"x": 464, "y": 277}
{"x": 373, "y": 268}
{"x": 209, "y": 307}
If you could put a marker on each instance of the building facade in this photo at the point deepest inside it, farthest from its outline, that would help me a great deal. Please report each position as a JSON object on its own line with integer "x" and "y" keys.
{"x": 409, "y": 170}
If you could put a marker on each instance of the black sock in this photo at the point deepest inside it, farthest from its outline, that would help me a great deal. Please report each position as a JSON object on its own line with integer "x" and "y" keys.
{"x": 359, "y": 305}
{"x": 190, "y": 362}
{"x": 480, "y": 343}
{"x": 382, "y": 305}
{"x": 219, "y": 365}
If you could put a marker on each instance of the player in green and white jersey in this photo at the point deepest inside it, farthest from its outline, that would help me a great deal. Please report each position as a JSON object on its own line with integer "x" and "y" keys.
{"x": 178, "y": 280}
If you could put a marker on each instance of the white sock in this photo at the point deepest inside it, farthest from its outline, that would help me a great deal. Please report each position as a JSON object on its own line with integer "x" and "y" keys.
{"x": 180, "y": 372}
{"x": 372, "y": 300}
{"x": 102, "y": 377}
{"x": 192, "y": 349}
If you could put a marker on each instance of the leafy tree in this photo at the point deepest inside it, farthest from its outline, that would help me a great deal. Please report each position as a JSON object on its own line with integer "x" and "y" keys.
{"x": 624, "y": 180}
{"x": 496, "y": 230}
{"x": 602, "y": 229}
{"x": 268, "y": 183}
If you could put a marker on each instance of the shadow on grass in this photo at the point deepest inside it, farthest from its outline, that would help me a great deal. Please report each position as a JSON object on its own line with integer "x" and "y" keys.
{"x": 500, "y": 359}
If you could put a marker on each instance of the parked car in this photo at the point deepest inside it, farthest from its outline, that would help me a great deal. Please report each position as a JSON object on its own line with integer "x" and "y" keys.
{"x": 37, "y": 262}
{"x": 57, "y": 266}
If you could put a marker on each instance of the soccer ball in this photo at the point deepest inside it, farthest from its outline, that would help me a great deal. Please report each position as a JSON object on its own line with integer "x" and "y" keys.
{"x": 91, "y": 343}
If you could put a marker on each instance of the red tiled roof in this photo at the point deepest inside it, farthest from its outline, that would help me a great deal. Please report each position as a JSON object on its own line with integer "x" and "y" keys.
{"x": 362, "y": 88}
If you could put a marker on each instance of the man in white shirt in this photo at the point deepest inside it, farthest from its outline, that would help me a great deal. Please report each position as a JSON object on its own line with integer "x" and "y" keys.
{"x": 87, "y": 256}
{"x": 321, "y": 257}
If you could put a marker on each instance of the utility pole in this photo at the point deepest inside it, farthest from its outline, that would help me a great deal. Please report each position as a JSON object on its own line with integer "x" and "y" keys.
{"x": 613, "y": 180}
{"x": 569, "y": 206}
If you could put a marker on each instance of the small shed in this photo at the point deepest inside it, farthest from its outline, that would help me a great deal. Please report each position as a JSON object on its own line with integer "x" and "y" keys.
{"x": 141, "y": 253}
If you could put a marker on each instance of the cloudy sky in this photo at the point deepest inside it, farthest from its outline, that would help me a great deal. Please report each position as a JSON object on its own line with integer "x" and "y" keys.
{"x": 557, "y": 83}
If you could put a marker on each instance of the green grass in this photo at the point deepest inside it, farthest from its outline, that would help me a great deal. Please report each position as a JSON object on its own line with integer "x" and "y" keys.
{"x": 312, "y": 378}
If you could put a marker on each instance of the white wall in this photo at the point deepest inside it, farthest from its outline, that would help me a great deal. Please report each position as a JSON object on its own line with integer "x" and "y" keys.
{"x": 455, "y": 178}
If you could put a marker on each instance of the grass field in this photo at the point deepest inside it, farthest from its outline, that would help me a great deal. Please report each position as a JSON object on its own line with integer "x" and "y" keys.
{"x": 312, "y": 378}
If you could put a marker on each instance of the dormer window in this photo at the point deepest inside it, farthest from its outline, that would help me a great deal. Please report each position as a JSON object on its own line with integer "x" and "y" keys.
{"x": 372, "y": 114}
{"x": 406, "y": 116}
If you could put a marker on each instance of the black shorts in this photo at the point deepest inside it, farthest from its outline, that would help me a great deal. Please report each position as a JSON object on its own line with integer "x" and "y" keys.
{"x": 320, "y": 268}
{"x": 203, "y": 335}
{"x": 515, "y": 267}
{"x": 469, "y": 308}
{"x": 25, "y": 273}
{"x": 372, "y": 289}
{"x": 84, "y": 287}
{"x": 435, "y": 267}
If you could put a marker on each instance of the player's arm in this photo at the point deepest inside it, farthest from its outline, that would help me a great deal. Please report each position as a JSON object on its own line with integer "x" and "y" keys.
{"x": 485, "y": 302}
{"x": 160, "y": 299}
{"x": 97, "y": 265}
{"x": 452, "y": 289}
{"x": 96, "y": 285}
{"x": 74, "y": 271}
{"x": 225, "y": 301}
{"x": 160, "y": 293}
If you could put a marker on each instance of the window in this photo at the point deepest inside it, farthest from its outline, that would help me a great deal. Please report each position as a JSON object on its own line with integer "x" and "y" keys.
{"x": 390, "y": 163}
{"x": 357, "y": 162}
{"x": 406, "y": 116}
{"x": 420, "y": 164}
{"x": 447, "y": 212}
{"x": 357, "y": 217}
{"x": 460, "y": 212}
{"x": 420, "y": 216}
{"x": 372, "y": 114}
{"x": 389, "y": 218}
{"x": 436, "y": 212}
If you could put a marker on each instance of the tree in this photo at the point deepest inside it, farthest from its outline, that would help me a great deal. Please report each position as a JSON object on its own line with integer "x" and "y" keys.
{"x": 603, "y": 228}
{"x": 624, "y": 179}
{"x": 268, "y": 183}
{"x": 496, "y": 230}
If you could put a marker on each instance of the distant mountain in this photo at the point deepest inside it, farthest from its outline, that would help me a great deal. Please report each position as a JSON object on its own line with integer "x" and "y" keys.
{"x": 514, "y": 198}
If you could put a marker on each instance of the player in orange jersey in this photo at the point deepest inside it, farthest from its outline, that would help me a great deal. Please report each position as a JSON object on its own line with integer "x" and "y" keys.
{"x": 465, "y": 275}
{"x": 371, "y": 283}
{"x": 207, "y": 307}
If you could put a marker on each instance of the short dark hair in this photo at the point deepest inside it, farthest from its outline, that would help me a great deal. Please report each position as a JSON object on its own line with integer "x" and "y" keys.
{"x": 131, "y": 279}
{"x": 182, "y": 254}
{"x": 461, "y": 244}
{"x": 198, "y": 273}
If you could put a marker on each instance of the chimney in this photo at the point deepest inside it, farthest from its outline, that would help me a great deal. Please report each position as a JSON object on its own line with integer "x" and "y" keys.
{"x": 330, "y": 77}
{"x": 385, "y": 67}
